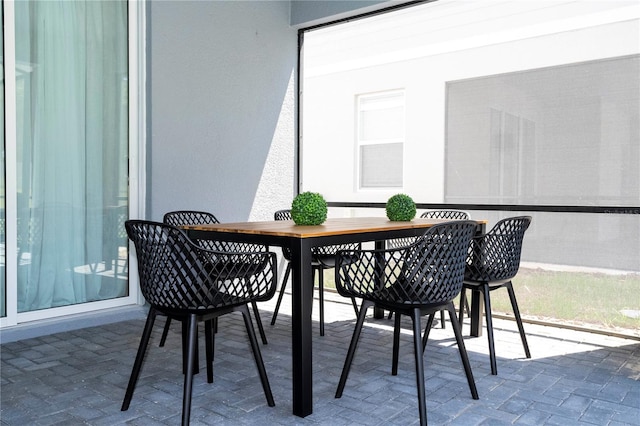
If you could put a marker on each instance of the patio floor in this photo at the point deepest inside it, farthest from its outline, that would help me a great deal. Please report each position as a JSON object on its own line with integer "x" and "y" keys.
{"x": 79, "y": 377}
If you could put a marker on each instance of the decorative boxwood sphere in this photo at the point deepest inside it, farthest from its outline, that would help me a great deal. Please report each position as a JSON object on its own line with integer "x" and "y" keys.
{"x": 401, "y": 207}
{"x": 309, "y": 208}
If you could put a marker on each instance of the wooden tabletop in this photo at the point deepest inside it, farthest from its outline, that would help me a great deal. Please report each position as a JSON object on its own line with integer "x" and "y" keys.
{"x": 338, "y": 226}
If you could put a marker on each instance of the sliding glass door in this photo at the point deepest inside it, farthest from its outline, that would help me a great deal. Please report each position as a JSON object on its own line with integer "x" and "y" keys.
{"x": 71, "y": 153}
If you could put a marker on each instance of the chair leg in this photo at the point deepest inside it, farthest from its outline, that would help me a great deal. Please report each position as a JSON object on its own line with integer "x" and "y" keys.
{"x": 256, "y": 313}
{"x": 492, "y": 349}
{"x": 352, "y": 346}
{"x": 355, "y": 305}
{"x": 516, "y": 313}
{"x": 185, "y": 345}
{"x": 321, "y": 298}
{"x": 417, "y": 349}
{"x": 137, "y": 365}
{"x": 463, "y": 302}
{"x": 192, "y": 350}
{"x": 463, "y": 351}
{"x": 209, "y": 338}
{"x": 396, "y": 345}
{"x": 165, "y": 331}
{"x": 284, "y": 285}
{"x": 257, "y": 355}
{"x": 442, "y": 319}
{"x": 427, "y": 329}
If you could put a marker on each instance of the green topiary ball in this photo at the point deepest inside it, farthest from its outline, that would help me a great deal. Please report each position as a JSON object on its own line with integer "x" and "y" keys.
{"x": 309, "y": 208}
{"x": 401, "y": 207}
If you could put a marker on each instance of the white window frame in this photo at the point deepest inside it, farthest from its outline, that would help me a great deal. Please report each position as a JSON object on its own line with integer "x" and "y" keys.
{"x": 360, "y": 141}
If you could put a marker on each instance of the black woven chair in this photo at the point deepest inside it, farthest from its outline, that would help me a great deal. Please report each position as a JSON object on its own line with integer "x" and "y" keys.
{"x": 431, "y": 214}
{"x": 190, "y": 217}
{"x": 322, "y": 258}
{"x": 188, "y": 283}
{"x": 414, "y": 280}
{"x": 494, "y": 259}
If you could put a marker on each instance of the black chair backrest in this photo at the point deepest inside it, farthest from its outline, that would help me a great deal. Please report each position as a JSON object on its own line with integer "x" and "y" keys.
{"x": 495, "y": 256}
{"x": 445, "y": 214}
{"x": 330, "y": 251}
{"x": 177, "y": 276}
{"x": 429, "y": 214}
{"x": 191, "y": 217}
{"x": 282, "y": 215}
{"x": 428, "y": 272}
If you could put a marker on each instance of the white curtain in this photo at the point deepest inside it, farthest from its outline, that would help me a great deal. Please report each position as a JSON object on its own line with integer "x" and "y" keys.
{"x": 72, "y": 146}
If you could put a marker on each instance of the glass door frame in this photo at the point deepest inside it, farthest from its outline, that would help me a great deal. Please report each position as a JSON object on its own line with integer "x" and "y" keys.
{"x": 137, "y": 165}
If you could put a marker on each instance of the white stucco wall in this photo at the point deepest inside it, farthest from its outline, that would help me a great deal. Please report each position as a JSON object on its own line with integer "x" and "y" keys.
{"x": 222, "y": 102}
{"x": 221, "y": 108}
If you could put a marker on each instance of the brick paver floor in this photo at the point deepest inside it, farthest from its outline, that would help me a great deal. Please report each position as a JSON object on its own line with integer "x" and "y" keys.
{"x": 79, "y": 377}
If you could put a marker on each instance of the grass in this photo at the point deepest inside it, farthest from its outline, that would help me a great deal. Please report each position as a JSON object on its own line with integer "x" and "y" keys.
{"x": 592, "y": 300}
{"x": 575, "y": 297}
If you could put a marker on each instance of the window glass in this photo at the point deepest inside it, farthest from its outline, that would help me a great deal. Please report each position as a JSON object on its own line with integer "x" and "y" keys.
{"x": 380, "y": 137}
{"x": 72, "y": 148}
{"x": 381, "y": 165}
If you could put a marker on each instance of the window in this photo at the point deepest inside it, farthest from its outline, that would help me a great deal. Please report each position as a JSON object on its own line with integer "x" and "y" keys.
{"x": 380, "y": 139}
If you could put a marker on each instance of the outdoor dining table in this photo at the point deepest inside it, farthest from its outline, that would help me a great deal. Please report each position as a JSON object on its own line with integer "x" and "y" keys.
{"x": 300, "y": 240}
